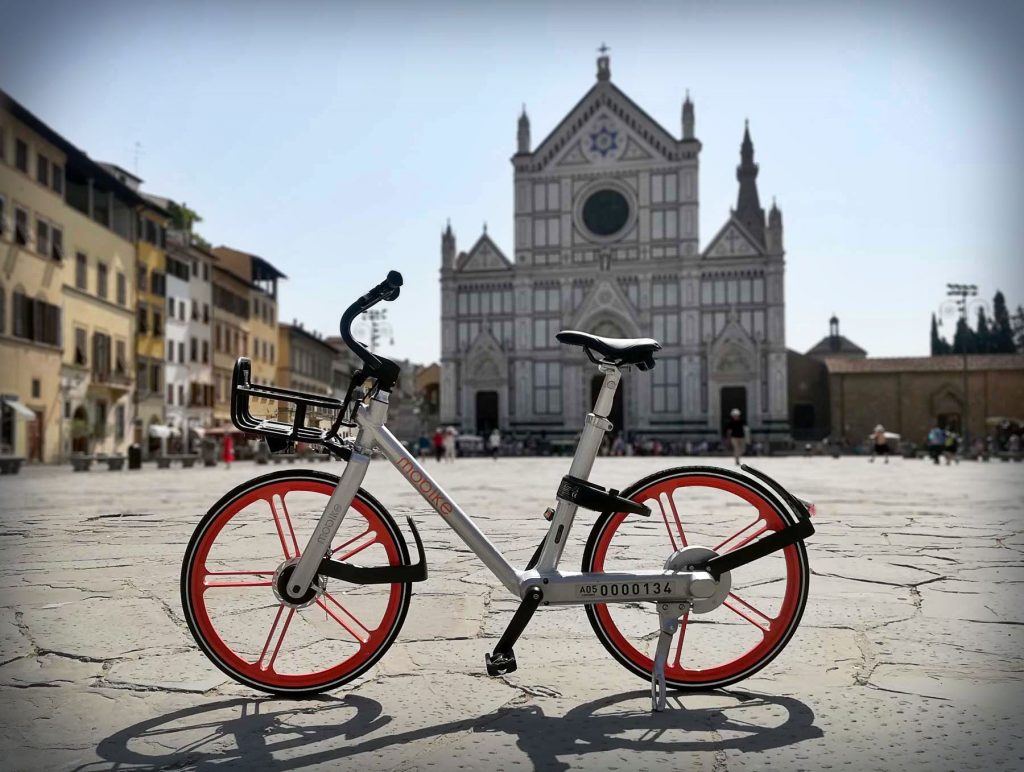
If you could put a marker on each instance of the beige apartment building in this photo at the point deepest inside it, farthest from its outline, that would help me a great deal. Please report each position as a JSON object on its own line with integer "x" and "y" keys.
{"x": 260, "y": 336}
{"x": 230, "y": 336}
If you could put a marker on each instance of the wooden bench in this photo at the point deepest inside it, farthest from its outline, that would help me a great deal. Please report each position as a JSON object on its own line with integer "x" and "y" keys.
{"x": 11, "y": 464}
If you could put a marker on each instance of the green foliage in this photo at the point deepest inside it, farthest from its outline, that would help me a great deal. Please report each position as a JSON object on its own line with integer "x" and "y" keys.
{"x": 1017, "y": 324}
{"x": 940, "y": 345}
{"x": 1002, "y": 335}
{"x": 982, "y": 335}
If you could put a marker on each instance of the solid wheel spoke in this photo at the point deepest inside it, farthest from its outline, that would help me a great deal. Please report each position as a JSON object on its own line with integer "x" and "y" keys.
{"x": 359, "y": 638}
{"x": 269, "y": 665}
{"x": 207, "y": 584}
{"x": 353, "y": 540}
{"x": 748, "y": 607}
{"x": 740, "y": 532}
{"x": 682, "y": 634}
{"x": 357, "y": 550}
{"x": 675, "y": 514}
{"x": 664, "y": 517}
{"x": 280, "y": 529}
{"x": 291, "y": 529}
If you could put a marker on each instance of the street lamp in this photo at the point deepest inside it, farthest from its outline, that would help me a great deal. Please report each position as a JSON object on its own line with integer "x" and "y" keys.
{"x": 377, "y": 321}
{"x": 959, "y": 305}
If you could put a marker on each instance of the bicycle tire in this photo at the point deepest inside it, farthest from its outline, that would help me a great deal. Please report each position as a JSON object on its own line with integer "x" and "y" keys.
{"x": 381, "y": 530}
{"x": 678, "y": 676}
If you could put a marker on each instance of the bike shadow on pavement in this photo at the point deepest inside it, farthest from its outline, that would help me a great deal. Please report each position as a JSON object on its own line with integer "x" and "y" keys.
{"x": 271, "y": 733}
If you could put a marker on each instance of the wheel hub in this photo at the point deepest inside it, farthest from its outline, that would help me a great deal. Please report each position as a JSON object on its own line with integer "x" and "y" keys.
{"x": 280, "y": 583}
{"x": 684, "y": 560}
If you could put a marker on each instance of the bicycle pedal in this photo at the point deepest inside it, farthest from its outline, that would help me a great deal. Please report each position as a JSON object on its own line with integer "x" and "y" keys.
{"x": 501, "y": 664}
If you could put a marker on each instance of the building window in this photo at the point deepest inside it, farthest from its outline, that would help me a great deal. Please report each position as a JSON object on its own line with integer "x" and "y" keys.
{"x": 56, "y": 243}
{"x": 120, "y": 358}
{"x": 154, "y": 377}
{"x": 80, "y": 347}
{"x": 37, "y": 389}
{"x": 181, "y": 351}
{"x": 122, "y": 289}
{"x": 57, "y": 179}
{"x": 666, "y": 387}
{"x": 195, "y": 268}
{"x": 544, "y": 331}
{"x": 206, "y": 313}
{"x": 206, "y": 271}
{"x": 35, "y": 319}
{"x": 101, "y": 356}
{"x": 158, "y": 284}
{"x": 206, "y": 352}
{"x": 100, "y": 426}
{"x": 193, "y": 350}
{"x": 81, "y": 267}
{"x": 42, "y": 237}
{"x": 170, "y": 394}
{"x": 547, "y": 388}
{"x": 119, "y": 423}
{"x": 195, "y": 310}
{"x": 42, "y": 170}
{"x": 142, "y": 278}
{"x": 101, "y": 280}
{"x": 21, "y": 155}
{"x": 21, "y": 226}
{"x": 158, "y": 326}
{"x": 143, "y": 320}
{"x": 181, "y": 394}
{"x": 271, "y": 353}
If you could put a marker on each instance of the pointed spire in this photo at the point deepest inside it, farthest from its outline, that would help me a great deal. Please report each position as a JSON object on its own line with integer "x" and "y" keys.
{"x": 485, "y": 227}
{"x": 688, "y": 118}
{"x": 748, "y": 205}
{"x": 604, "y": 70}
{"x": 523, "y": 135}
{"x": 447, "y": 246}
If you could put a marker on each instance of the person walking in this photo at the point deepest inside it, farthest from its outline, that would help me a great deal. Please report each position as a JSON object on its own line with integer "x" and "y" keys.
{"x": 879, "y": 444}
{"x": 736, "y": 434}
{"x": 449, "y": 444}
{"x": 936, "y": 442}
{"x": 950, "y": 448}
{"x": 494, "y": 443}
{"x": 228, "y": 454}
{"x": 438, "y": 442}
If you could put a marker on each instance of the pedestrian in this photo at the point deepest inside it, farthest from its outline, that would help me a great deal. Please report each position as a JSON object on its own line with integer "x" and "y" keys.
{"x": 228, "y": 453}
{"x": 879, "y": 444}
{"x": 936, "y": 442}
{"x": 494, "y": 443}
{"x": 449, "y": 444}
{"x": 438, "y": 442}
{"x": 950, "y": 448}
{"x": 736, "y": 434}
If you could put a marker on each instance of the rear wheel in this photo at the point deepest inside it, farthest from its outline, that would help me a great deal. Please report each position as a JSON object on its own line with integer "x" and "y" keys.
{"x": 720, "y": 510}
{"x": 247, "y": 544}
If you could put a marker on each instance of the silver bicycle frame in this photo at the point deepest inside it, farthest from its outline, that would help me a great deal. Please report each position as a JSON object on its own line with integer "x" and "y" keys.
{"x": 559, "y": 588}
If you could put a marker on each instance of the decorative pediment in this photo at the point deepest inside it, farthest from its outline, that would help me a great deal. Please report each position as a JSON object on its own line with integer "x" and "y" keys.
{"x": 733, "y": 352}
{"x": 485, "y": 360}
{"x": 483, "y": 256}
{"x": 605, "y": 303}
{"x": 602, "y": 127}
{"x": 733, "y": 240}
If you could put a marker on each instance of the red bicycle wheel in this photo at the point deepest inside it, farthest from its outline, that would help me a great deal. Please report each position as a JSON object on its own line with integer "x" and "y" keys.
{"x": 720, "y": 510}
{"x": 243, "y": 626}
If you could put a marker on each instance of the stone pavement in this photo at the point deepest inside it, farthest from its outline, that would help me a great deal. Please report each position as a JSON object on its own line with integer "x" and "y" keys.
{"x": 909, "y": 655}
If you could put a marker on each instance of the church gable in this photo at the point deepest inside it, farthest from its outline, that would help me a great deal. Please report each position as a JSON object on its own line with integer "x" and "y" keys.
{"x": 485, "y": 360}
{"x": 483, "y": 256}
{"x": 605, "y": 301}
{"x": 606, "y": 125}
{"x": 733, "y": 240}
{"x": 733, "y": 352}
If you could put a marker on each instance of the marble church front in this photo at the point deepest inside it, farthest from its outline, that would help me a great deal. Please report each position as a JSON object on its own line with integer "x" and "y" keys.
{"x": 607, "y": 241}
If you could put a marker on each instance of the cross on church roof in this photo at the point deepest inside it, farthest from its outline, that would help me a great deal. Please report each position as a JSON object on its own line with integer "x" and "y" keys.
{"x": 603, "y": 49}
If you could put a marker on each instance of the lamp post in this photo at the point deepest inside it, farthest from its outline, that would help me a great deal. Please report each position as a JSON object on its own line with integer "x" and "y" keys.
{"x": 958, "y": 304}
{"x": 377, "y": 321}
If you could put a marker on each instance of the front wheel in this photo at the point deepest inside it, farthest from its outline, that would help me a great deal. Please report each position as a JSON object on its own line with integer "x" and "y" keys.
{"x": 245, "y": 546}
{"x": 720, "y": 510}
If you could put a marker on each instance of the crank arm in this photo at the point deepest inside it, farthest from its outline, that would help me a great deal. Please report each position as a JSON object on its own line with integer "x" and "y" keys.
{"x": 791, "y": 534}
{"x": 347, "y": 572}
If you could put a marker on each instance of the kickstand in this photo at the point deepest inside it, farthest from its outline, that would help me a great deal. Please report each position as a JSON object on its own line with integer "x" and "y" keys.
{"x": 668, "y": 622}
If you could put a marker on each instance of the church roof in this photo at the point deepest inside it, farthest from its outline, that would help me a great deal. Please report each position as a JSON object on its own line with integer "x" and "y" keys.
{"x": 836, "y": 345}
{"x": 733, "y": 223}
{"x": 950, "y": 363}
{"x": 484, "y": 255}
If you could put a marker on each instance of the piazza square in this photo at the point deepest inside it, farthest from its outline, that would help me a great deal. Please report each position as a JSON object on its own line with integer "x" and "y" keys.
{"x": 908, "y": 654}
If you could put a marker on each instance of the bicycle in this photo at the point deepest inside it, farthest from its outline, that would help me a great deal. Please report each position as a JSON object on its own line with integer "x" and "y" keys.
{"x": 247, "y": 543}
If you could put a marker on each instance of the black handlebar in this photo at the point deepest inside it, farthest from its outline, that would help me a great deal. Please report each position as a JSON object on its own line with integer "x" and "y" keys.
{"x": 388, "y": 289}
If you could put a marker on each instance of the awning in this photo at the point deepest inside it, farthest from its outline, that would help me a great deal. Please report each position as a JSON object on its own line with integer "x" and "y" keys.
{"x": 163, "y": 432}
{"x": 19, "y": 408}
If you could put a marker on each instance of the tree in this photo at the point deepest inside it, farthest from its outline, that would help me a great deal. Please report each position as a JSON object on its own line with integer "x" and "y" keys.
{"x": 964, "y": 341}
{"x": 1018, "y": 329}
{"x": 1002, "y": 334}
{"x": 939, "y": 344}
{"x": 982, "y": 336}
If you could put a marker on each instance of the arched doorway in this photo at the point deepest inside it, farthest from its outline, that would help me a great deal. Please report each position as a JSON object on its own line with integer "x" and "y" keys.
{"x": 616, "y": 415}
{"x": 80, "y": 430}
{"x": 486, "y": 412}
{"x": 733, "y": 397}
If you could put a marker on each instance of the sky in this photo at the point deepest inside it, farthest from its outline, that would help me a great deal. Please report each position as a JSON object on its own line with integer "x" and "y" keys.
{"x": 336, "y": 139}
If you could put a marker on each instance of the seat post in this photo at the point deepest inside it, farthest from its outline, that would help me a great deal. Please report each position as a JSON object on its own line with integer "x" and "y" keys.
{"x": 596, "y": 424}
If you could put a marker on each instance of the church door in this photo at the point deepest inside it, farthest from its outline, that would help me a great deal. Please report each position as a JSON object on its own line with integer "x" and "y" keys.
{"x": 733, "y": 397}
{"x": 617, "y": 415}
{"x": 486, "y": 412}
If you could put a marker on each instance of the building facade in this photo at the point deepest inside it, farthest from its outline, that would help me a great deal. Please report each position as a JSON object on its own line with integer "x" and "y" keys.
{"x": 606, "y": 240}
{"x": 230, "y": 335}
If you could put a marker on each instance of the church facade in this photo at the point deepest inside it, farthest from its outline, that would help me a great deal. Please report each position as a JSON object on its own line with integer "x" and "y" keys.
{"x": 606, "y": 241}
